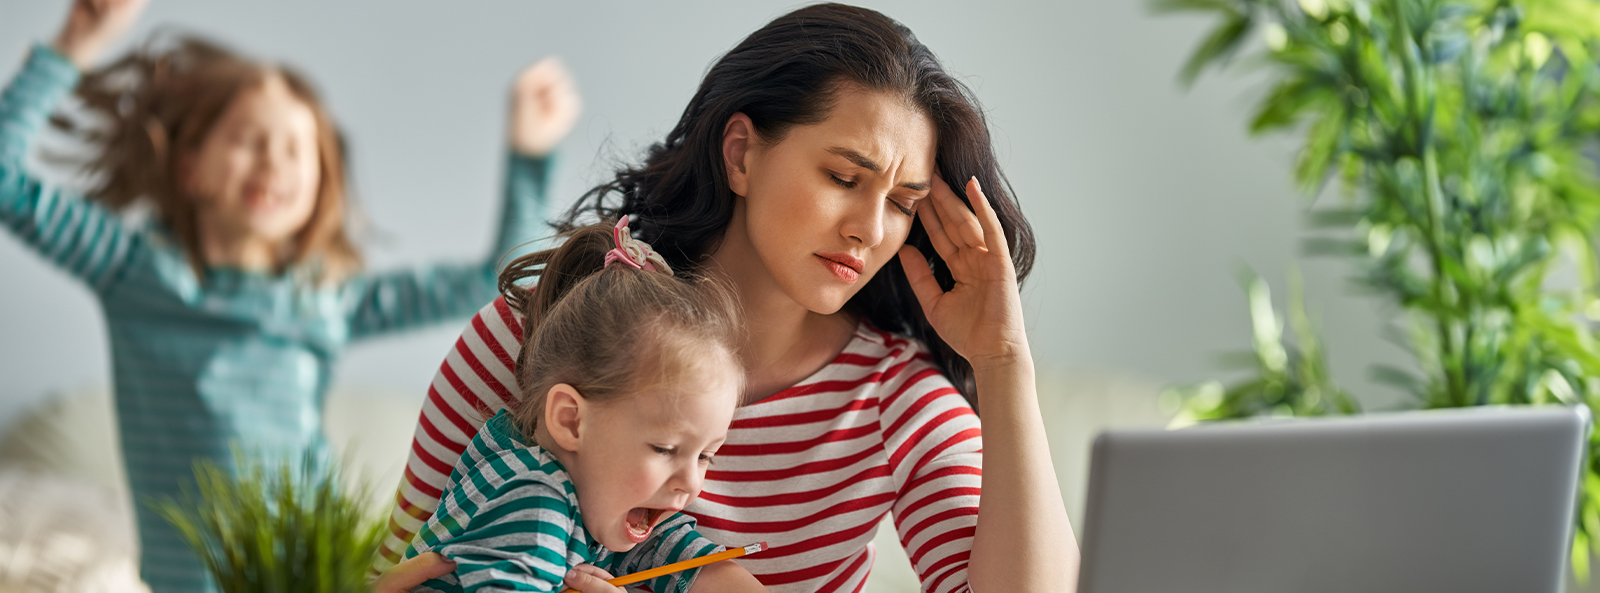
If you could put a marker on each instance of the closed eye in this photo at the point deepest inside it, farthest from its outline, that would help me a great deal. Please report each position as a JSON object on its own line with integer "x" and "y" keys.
{"x": 842, "y": 183}
{"x": 668, "y": 451}
{"x": 904, "y": 209}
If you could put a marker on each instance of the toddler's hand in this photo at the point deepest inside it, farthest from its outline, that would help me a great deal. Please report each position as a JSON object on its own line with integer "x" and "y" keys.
{"x": 588, "y": 578}
{"x": 92, "y": 24}
{"x": 544, "y": 107}
{"x": 407, "y": 575}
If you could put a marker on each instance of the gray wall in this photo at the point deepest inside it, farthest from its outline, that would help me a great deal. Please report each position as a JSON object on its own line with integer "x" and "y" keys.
{"x": 1147, "y": 197}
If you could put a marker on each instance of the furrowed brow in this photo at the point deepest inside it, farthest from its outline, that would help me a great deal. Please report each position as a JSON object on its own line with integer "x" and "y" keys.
{"x": 859, "y": 159}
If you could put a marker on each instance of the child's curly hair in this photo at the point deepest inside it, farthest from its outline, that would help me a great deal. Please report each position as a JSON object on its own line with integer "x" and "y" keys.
{"x": 157, "y": 104}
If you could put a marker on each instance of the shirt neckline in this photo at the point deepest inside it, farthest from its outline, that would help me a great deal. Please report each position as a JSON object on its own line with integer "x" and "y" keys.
{"x": 861, "y": 334}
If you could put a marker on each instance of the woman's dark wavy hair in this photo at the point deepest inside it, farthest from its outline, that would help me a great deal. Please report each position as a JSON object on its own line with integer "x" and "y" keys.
{"x": 787, "y": 74}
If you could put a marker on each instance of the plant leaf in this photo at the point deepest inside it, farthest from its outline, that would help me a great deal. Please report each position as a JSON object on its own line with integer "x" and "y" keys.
{"x": 1217, "y": 47}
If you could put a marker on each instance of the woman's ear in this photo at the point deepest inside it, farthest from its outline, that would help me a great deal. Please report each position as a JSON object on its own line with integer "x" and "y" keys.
{"x": 736, "y": 139}
{"x": 563, "y": 415}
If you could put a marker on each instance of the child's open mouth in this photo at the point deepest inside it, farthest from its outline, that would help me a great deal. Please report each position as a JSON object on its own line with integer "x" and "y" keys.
{"x": 641, "y": 520}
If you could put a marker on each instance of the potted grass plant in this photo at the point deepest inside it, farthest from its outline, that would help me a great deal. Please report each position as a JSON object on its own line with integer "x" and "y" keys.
{"x": 1461, "y": 136}
{"x": 290, "y": 527}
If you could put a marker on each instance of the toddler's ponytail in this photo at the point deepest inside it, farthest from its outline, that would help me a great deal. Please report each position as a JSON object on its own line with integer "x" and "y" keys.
{"x": 606, "y": 307}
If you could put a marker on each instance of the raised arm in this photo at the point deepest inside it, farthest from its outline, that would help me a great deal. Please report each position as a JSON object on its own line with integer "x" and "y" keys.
{"x": 423, "y": 295}
{"x": 544, "y": 108}
{"x": 47, "y": 77}
{"x": 1022, "y": 540}
{"x": 82, "y": 238}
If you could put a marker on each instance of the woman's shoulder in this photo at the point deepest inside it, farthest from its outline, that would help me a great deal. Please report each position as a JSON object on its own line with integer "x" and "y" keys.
{"x": 504, "y": 319}
{"x": 895, "y": 363}
{"x": 498, "y": 325}
{"x": 918, "y": 405}
{"x": 872, "y": 345}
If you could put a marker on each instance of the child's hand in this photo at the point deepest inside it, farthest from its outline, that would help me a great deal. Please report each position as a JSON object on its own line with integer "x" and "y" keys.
{"x": 92, "y": 24}
{"x": 544, "y": 107}
{"x": 588, "y": 578}
{"x": 407, "y": 575}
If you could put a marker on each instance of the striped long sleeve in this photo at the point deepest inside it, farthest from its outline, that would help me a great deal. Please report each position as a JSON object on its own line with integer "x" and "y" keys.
{"x": 935, "y": 449}
{"x": 520, "y": 543}
{"x": 408, "y": 298}
{"x": 78, "y": 236}
{"x": 674, "y": 540}
{"x": 811, "y": 470}
{"x": 510, "y": 520}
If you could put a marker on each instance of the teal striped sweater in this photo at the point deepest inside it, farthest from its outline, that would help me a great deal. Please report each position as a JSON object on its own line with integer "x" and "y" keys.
{"x": 510, "y": 521}
{"x": 200, "y": 364}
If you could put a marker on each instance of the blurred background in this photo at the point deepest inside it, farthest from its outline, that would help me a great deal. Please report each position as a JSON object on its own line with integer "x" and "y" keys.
{"x": 1147, "y": 197}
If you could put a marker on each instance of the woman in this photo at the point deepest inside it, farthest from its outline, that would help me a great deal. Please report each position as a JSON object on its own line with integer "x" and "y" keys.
{"x": 813, "y": 169}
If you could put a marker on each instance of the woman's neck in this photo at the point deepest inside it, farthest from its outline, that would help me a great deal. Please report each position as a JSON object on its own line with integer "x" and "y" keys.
{"x": 784, "y": 342}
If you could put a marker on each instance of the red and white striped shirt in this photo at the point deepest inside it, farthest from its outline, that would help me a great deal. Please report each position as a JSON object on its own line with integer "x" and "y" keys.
{"x": 810, "y": 470}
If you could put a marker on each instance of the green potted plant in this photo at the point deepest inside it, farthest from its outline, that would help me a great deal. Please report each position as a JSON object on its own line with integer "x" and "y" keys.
{"x": 278, "y": 528}
{"x": 1457, "y": 130}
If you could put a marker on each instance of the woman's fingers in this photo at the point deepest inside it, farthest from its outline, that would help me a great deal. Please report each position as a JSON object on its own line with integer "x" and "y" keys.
{"x": 407, "y": 575}
{"x": 993, "y": 233}
{"x": 923, "y": 284}
{"x": 934, "y": 225}
{"x": 962, "y": 226}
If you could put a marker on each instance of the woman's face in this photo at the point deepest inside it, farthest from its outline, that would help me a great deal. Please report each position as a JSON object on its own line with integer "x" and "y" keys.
{"x": 257, "y": 172}
{"x": 825, "y": 207}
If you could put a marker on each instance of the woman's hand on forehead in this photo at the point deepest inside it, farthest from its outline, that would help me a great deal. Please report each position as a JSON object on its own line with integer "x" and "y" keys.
{"x": 981, "y": 316}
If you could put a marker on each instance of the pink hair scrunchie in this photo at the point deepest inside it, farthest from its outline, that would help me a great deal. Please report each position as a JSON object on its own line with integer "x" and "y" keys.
{"x": 634, "y": 253}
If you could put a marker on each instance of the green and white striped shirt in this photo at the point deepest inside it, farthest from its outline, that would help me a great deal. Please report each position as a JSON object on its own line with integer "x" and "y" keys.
{"x": 509, "y": 519}
{"x": 203, "y": 362}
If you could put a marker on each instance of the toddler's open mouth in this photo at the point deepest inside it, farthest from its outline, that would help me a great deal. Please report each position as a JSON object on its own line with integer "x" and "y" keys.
{"x": 641, "y": 520}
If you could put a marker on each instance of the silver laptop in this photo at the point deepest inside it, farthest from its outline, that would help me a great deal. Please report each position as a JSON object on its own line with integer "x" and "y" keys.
{"x": 1459, "y": 501}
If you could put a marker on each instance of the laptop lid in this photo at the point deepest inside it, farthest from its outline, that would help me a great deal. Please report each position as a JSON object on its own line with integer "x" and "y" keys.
{"x": 1467, "y": 500}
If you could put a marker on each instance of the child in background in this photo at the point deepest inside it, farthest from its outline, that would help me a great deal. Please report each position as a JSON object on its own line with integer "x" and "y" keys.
{"x": 228, "y": 311}
{"x": 629, "y": 381}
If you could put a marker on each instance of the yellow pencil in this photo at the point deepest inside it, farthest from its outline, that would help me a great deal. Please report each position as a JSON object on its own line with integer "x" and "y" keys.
{"x": 645, "y": 575}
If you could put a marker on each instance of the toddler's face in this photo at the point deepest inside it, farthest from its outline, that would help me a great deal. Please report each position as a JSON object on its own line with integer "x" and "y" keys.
{"x": 643, "y": 458}
{"x": 257, "y": 173}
